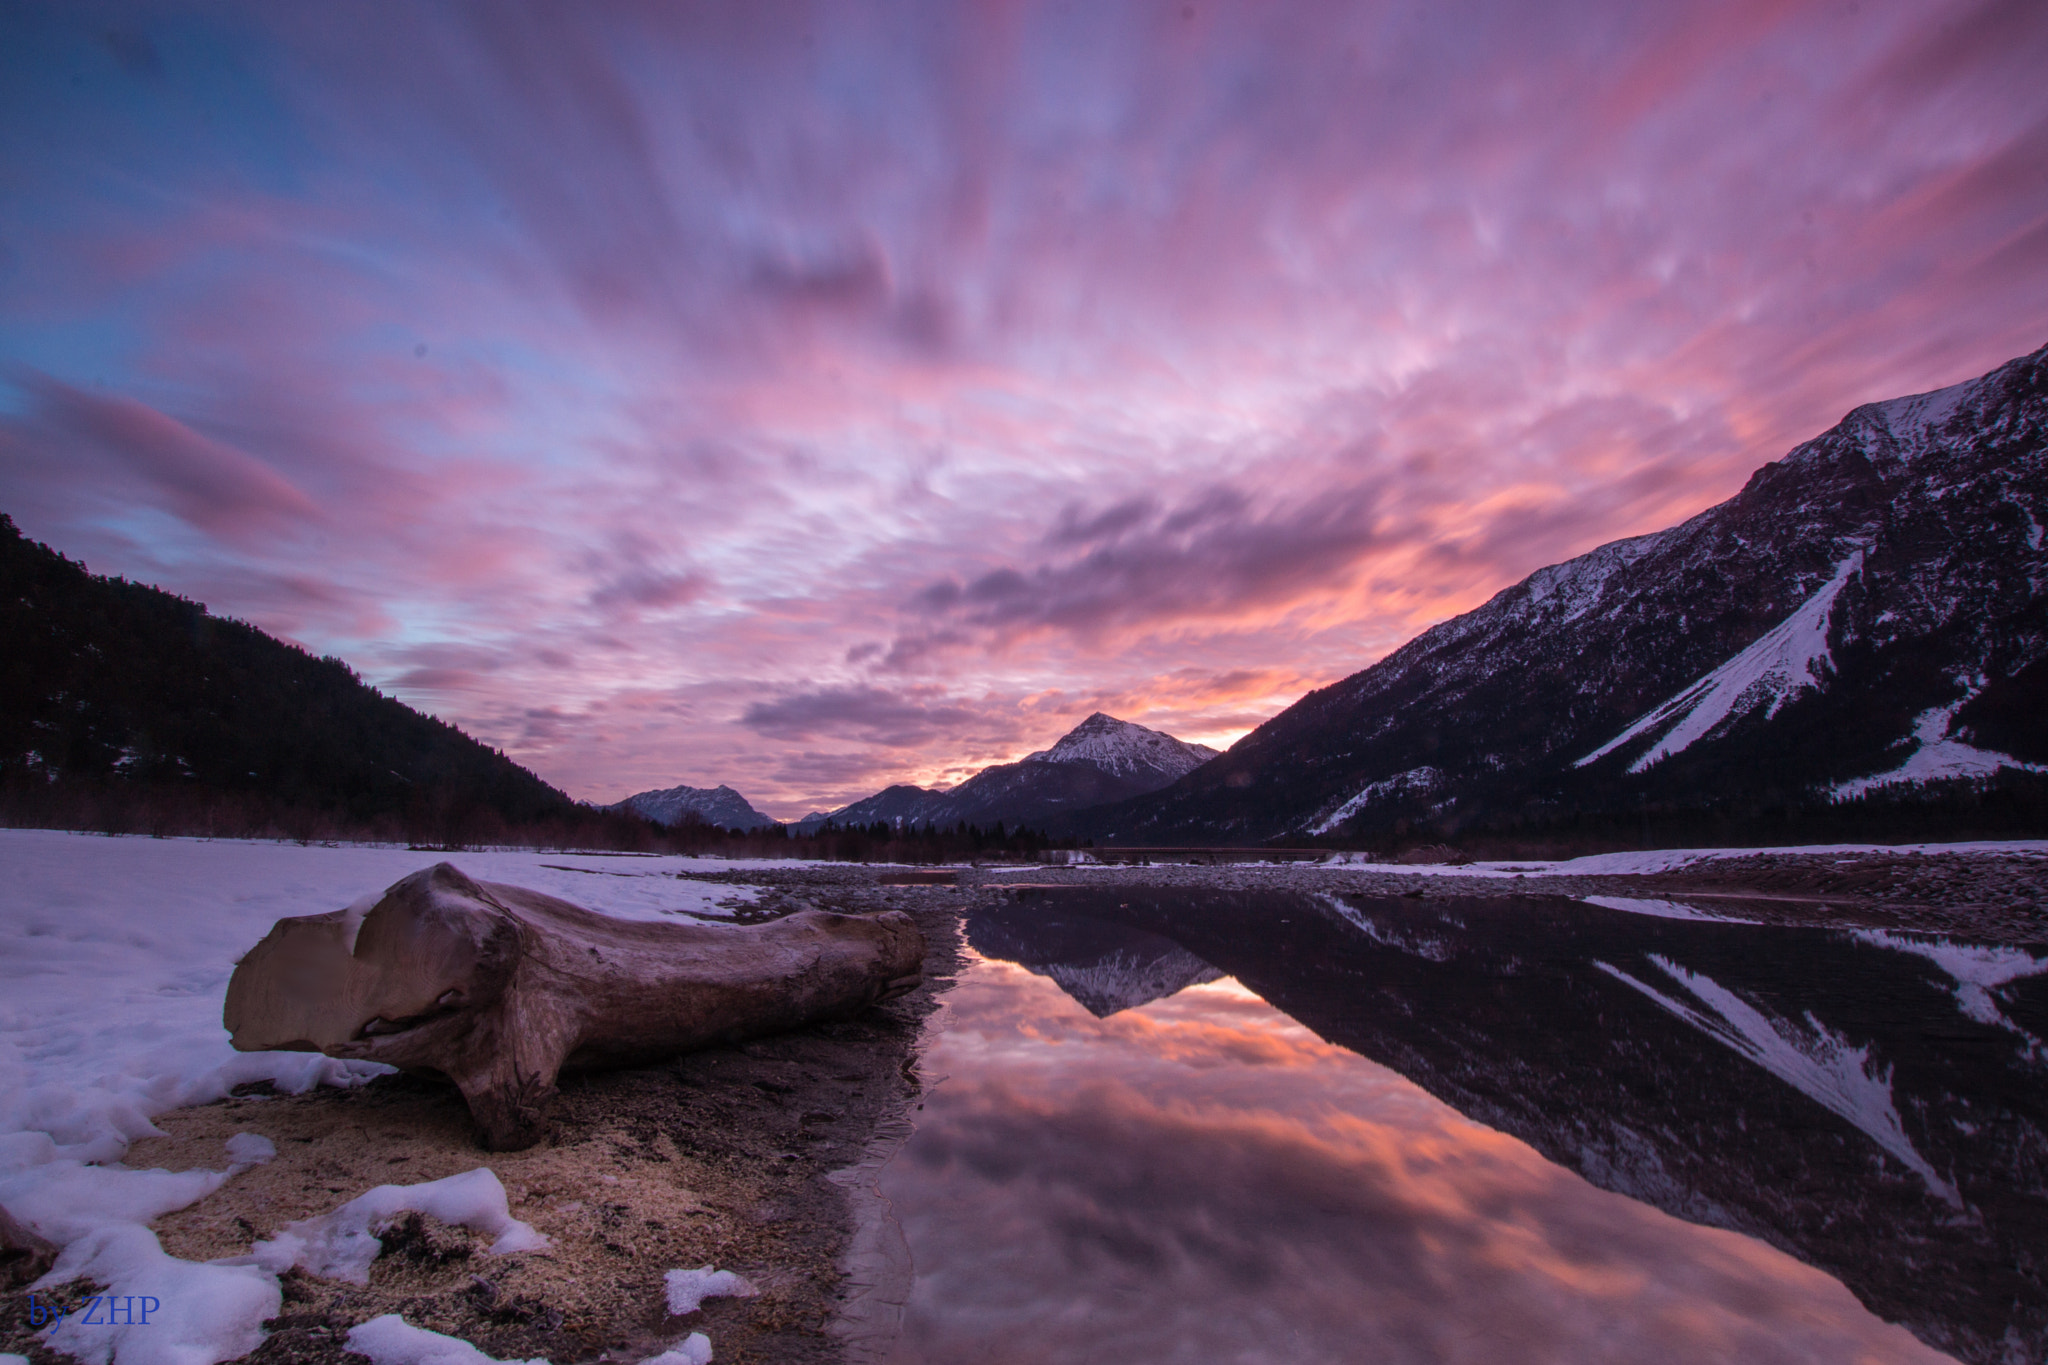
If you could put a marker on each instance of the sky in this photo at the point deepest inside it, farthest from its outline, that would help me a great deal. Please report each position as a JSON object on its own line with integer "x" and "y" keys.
{"x": 808, "y": 397}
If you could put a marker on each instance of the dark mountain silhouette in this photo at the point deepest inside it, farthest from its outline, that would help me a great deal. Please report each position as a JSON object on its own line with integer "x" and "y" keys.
{"x": 720, "y": 806}
{"x": 117, "y": 696}
{"x": 1867, "y": 617}
{"x": 1100, "y": 760}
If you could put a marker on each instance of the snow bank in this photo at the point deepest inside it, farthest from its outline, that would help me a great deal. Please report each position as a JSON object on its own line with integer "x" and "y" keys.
{"x": 694, "y": 1349}
{"x": 687, "y": 1289}
{"x": 342, "y": 1244}
{"x": 201, "y": 1314}
{"x": 115, "y": 955}
{"x": 391, "y": 1340}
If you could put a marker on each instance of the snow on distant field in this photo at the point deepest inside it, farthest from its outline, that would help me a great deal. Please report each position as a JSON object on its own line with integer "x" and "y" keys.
{"x": 116, "y": 952}
{"x": 115, "y": 955}
{"x": 1651, "y": 861}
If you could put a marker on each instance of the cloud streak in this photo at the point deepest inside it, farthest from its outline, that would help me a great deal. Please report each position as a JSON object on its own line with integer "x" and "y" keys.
{"x": 806, "y": 396}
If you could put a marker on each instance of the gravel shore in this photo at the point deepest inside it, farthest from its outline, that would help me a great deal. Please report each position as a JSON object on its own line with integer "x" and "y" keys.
{"x": 1995, "y": 896}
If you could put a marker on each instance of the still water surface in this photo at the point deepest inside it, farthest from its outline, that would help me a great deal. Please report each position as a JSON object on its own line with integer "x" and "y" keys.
{"x": 1201, "y": 1128}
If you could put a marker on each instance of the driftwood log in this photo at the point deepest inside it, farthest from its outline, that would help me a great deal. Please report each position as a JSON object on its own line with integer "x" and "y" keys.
{"x": 499, "y": 989}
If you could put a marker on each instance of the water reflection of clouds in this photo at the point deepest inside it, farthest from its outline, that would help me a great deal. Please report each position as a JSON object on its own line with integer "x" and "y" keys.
{"x": 1204, "y": 1180}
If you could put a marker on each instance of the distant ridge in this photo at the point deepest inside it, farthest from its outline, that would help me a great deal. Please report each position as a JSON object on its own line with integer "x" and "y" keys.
{"x": 720, "y": 806}
{"x": 1101, "y": 759}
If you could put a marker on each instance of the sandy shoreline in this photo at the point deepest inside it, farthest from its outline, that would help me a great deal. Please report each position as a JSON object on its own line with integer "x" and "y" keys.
{"x": 722, "y": 1157}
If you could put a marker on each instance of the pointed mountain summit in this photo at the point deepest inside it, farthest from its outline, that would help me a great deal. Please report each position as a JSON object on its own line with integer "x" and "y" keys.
{"x": 1868, "y": 616}
{"x": 1124, "y": 750}
{"x": 720, "y": 806}
{"x": 1101, "y": 759}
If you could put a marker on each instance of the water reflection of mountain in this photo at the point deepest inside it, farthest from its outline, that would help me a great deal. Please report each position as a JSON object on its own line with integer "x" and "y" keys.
{"x": 1871, "y": 1103}
{"x": 1106, "y": 967}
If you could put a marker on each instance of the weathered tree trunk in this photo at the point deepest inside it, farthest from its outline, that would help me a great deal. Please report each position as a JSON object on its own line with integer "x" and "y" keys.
{"x": 498, "y": 988}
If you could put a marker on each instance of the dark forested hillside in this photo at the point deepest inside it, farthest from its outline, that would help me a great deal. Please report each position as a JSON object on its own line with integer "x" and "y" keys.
{"x": 121, "y": 703}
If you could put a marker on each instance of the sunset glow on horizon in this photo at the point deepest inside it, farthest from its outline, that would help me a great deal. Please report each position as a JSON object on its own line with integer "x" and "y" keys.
{"x": 813, "y": 397}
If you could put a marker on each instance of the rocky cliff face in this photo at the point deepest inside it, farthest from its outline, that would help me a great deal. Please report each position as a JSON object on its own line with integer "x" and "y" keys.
{"x": 1869, "y": 613}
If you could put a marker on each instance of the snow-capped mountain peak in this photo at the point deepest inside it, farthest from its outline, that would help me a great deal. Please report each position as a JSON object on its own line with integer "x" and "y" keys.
{"x": 1123, "y": 749}
{"x": 720, "y": 805}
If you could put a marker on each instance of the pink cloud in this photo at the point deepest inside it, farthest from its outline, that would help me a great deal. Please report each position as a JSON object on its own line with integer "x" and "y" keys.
{"x": 807, "y": 397}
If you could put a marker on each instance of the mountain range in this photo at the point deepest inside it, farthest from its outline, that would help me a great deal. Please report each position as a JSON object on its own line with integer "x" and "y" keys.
{"x": 1101, "y": 760}
{"x": 1867, "y": 616}
{"x": 720, "y": 806}
{"x": 1862, "y": 629}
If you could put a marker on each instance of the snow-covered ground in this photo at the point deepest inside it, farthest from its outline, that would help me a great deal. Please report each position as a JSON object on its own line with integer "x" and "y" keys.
{"x": 115, "y": 955}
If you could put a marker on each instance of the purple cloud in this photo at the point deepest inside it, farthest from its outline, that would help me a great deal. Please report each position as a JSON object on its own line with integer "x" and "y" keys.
{"x": 806, "y": 396}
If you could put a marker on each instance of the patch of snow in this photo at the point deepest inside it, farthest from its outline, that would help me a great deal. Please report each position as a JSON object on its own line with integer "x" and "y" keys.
{"x": 204, "y": 1313}
{"x": 1910, "y": 418}
{"x": 341, "y": 1245}
{"x": 694, "y": 1349}
{"x": 391, "y": 1340}
{"x": 687, "y": 1289}
{"x": 1415, "y": 779}
{"x": 1936, "y": 758}
{"x": 1123, "y": 748}
{"x": 1576, "y": 586}
{"x": 115, "y": 955}
{"x": 1813, "y": 1060}
{"x": 1790, "y": 658}
{"x": 249, "y": 1149}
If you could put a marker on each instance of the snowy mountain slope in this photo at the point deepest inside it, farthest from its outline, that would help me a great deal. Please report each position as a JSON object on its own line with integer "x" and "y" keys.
{"x": 1790, "y": 658}
{"x": 1100, "y": 760}
{"x": 720, "y": 806}
{"x": 1778, "y": 648}
{"x": 1124, "y": 750}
